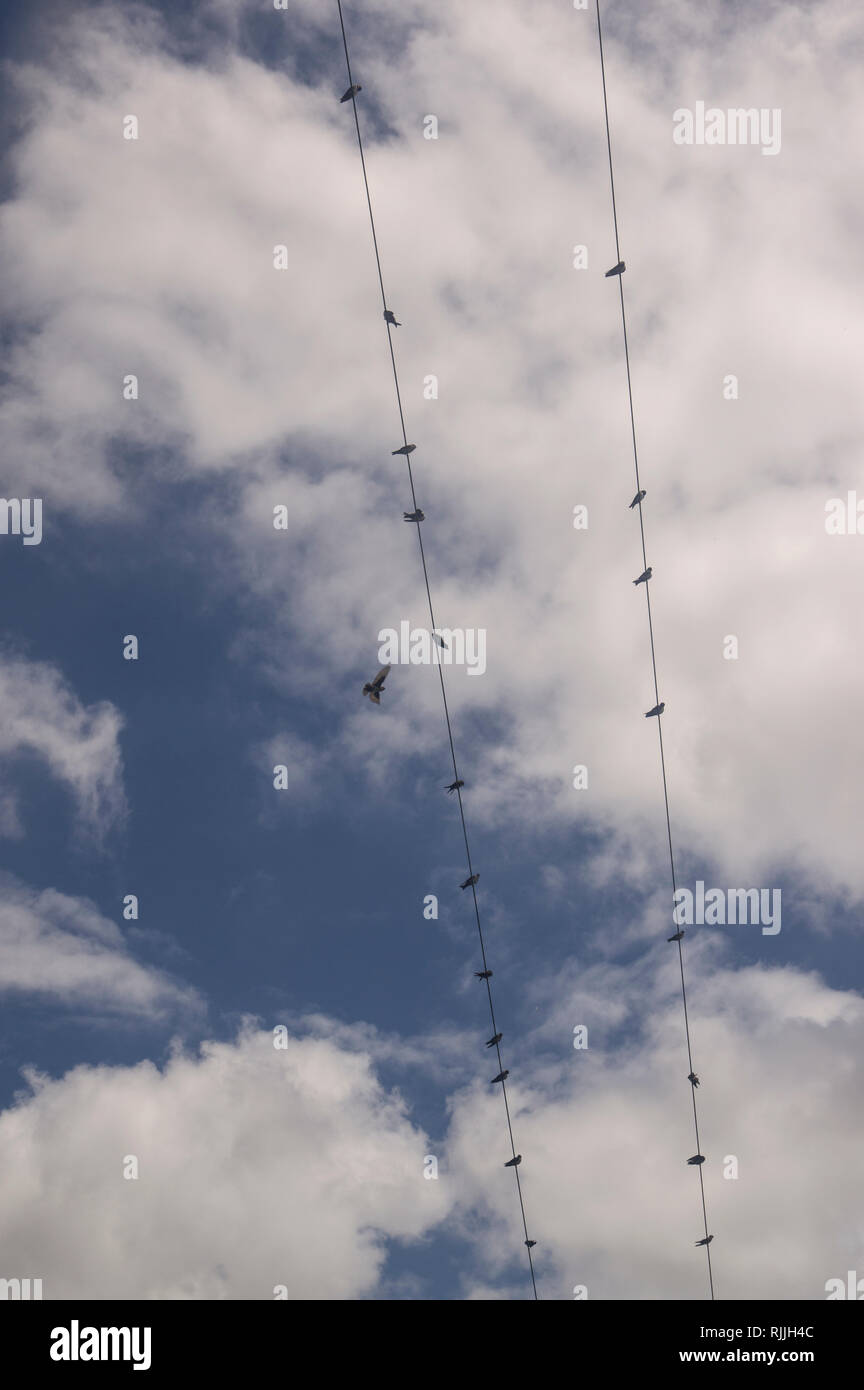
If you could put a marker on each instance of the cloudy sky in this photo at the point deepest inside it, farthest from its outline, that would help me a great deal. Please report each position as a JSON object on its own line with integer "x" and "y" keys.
{"x": 303, "y": 1167}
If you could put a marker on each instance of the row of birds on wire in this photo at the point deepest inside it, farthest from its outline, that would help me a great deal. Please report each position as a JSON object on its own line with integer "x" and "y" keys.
{"x": 617, "y": 271}
{"x": 374, "y": 688}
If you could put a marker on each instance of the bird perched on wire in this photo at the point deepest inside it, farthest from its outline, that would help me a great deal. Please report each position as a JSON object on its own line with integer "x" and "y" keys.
{"x": 406, "y": 450}
{"x": 678, "y": 935}
{"x": 616, "y": 270}
{"x": 640, "y": 497}
{"x": 529, "y": 1243}
{"x": 696, "y": 1160}
{"x": 493, "y": 1042}
{"x": 351, "y": 92}
{"x": 454, "y": 786}
{"x": 706, "y": 1241}
{"x": 502, "y": 1076}
{"x": 414, "y": 516}
{"x": 513, "y": 1162}
{"x": 483, "y": 974}
{"x": 658, "y": 709}
{"x": 390, "y": 317}
{"x": 644, "y": 576}
{"x": 469, "y": 882}
{"x": 693, "y": 1079}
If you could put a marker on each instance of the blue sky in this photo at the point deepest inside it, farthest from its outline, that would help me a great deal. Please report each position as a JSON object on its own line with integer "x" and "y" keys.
{"x": 305, "y": 907}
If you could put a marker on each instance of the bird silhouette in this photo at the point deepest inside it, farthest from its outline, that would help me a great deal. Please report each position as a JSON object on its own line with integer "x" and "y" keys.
{"x": 374, "y": 687}
{"x": 351, "y": 92}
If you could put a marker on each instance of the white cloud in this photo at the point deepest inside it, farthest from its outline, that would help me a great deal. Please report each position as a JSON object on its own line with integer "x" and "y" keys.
{"x": 161, "y": 264}
{"x": 261, "y": 1166}
{"x": 257, "y": 1167}
{"x": 155, "y": 257}
{"x": 57, "y": 947}
{"x": 80, "y": 744}
{"x": 605, "y": 1136}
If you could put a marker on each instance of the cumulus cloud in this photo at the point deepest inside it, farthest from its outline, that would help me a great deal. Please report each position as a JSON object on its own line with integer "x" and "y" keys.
{"x": 280, "y": 378}
{"x": 54, "y": 946}
{"x": 155, "y": 257}
{"x": 257, "y": 1167}
{"x": 39, "y": 713}
{"x": 296, "y": 1166}
{"x": 606, "y": 1133}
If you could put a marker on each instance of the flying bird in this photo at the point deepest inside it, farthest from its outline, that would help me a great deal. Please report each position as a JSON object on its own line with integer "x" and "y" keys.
{"x": 390, "y": 317}
{"x": 414, "y": 516}
{"x": 678, "y": 935}
{"x": 658, "y": 709}
{"x": 454, "y": 786}
{"x": 693, "y": 1079}
{"x": 640, "y": 497}
{"x": 644, "y": 576}
{"x": 502, "y": 1076}
{"x": 696, "y": 1160}
{"x": 351, "y": 92}
{"x": 616, "y": 270}
{"x": 513, "y": 1162}
{"x": 493, "y": 1042}
{"x": 483, "y": 974}
{"x": 374, "y": 688}
{"x": 406, "y": 450}
{"x": 469, "y": 882}
{"x": 706, "y": 1241}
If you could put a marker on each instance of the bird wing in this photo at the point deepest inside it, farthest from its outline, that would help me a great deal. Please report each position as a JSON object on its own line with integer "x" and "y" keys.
{"x": 381, "y": 676}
